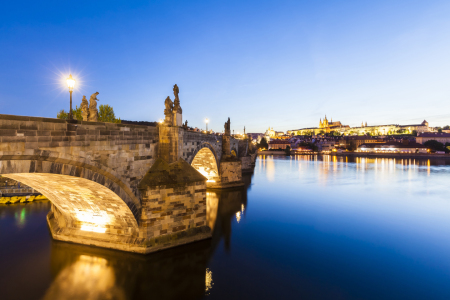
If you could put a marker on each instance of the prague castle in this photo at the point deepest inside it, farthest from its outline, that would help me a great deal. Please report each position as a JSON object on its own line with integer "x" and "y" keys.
{"x": 326, "y": 126}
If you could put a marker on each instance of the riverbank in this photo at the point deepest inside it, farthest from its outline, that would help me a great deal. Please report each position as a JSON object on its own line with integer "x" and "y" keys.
{"x": 393, "y": 155}
{"x": 271, "y": 153}
{"x": 366, "y": 154}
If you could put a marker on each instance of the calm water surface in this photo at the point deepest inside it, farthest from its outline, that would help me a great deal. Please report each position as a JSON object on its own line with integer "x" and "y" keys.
{"x": 303, "y": 228}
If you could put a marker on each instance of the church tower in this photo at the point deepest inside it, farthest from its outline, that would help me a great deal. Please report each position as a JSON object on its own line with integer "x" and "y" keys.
{"x": 320, "y": 123}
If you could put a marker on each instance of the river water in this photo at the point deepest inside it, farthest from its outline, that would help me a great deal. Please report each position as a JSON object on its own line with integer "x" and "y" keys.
{"x": 304, "y": 227}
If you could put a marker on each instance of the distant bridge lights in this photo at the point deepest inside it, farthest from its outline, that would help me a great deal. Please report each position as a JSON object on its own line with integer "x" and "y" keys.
{"x": 71, "y": 85}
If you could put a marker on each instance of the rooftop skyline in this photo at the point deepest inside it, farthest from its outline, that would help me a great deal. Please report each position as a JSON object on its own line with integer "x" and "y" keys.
{"x": 283, "y": 64}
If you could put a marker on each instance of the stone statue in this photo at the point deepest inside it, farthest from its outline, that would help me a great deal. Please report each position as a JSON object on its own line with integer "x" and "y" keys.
{"x": 168, "y": 106}
{"x": 227, "y": 127}
{"x": 176, "y": 91}
{"x": 168, "y": 111}
{"x": 93, "y": 111}
{"x": 176, "y": 101}
{"x": 185, "y": 126}
{"x": 84, "y": 109}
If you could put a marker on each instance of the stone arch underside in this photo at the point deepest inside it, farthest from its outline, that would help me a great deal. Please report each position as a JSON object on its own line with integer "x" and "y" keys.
{"x": 83, "y": 211}
{"x": 72, "y": 167}
{"x": 205, "y": 162}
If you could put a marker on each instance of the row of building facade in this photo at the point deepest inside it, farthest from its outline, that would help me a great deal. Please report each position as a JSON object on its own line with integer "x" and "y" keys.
{"x": 364, "y": 143}
{"x": 326, "y": 126}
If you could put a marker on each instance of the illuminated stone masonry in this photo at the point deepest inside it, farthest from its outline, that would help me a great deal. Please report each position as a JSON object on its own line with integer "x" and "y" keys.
{"x": 85, "y": 212}
{"x": 100, "y": 177}
{"x": 173, "y": 205}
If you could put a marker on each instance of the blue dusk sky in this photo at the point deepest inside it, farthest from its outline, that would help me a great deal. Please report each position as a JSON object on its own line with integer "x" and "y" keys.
{"x": 283, "y": 64}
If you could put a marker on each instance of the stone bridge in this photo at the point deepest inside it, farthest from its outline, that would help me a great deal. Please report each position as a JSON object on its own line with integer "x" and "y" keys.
{"x": 93, "y": 173}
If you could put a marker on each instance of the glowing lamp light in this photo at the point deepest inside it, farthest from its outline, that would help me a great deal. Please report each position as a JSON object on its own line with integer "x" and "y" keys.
{"x": 70, "y": 82}
{"x": 160, "y": 121}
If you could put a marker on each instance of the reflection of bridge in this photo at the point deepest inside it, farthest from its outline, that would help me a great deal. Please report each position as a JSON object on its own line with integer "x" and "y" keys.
{"x": 92, "y": 173}
{"x": 178, "y": 273}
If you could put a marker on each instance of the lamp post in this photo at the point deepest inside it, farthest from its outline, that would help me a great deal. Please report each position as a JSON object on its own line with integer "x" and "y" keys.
{"x": 70, "y": 84}
{"x": 206, "y": 121}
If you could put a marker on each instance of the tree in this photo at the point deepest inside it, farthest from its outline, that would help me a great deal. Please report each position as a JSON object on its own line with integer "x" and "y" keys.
{"x": 436, "y": 146}
{"x": 288, "y": 150}
{"x": 447, "y": 145}
{"x": 335, "y": 133}
{"x": 263, "y": 143}
{"x": 65, "y": 115}
{"x": 446, "y": 127}
{"x": 351, "y": 146}
{"x": 62, "y": 115}
{"x": 106, "y": 114}
{"x": 440, "y": 130}
{"x": 414, "y": 132}
{"x": 77, "y": 113}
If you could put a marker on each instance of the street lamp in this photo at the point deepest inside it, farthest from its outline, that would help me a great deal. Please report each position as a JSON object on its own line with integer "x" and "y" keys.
{"x": 70, "y": 84}
{"x": 206, "y": 121}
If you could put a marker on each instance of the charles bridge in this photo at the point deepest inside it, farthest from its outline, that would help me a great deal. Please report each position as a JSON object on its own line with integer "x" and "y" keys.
{"x": 128, "y": 187}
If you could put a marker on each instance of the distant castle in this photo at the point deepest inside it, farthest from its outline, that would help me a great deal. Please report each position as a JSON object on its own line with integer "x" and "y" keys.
{"x": 326, "y": 126}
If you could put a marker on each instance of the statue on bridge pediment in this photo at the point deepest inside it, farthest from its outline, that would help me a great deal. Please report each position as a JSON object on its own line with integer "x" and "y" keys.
{"x": 168, "y": 106}
{"x": 172, "y": 110}
{"x": 168, "y": 111}
{"x": 176, "y": 91}
{"x": 84, "y": 109}
{"x": 227, "y": 127}
{"x": 177, "y": 107}
{"x": 93, "y": 111}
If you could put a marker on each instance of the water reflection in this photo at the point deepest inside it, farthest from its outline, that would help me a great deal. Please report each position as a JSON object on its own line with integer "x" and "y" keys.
{"x": 231, "y": 206}
{"x": 82, "y": 272}
{"x": 329, "y": 166}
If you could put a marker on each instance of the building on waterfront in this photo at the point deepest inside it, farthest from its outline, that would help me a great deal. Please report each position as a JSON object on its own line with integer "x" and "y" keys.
{"x": 393, "y": 147}
{"x": 355, "y": 141}
{"x": 427, "y": 136}
{"x": 326, "y": 126}
{"x": 389, "y": 129}
{"x": 279, "y": 144}
{"x": 272, "y": 134}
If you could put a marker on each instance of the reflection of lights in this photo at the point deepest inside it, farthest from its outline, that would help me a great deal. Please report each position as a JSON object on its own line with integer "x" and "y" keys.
{"x": 89, "y": 277}
{"x": 238, "y": 216}
{"x": 242, "y": 208}
{"x": 208, "y": 280}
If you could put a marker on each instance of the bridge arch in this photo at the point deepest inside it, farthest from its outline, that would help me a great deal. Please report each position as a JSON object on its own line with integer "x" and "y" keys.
{"x": 48, "y": 162}
{"x": 81, "y": 205}
{"x": 204, "y": 160}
